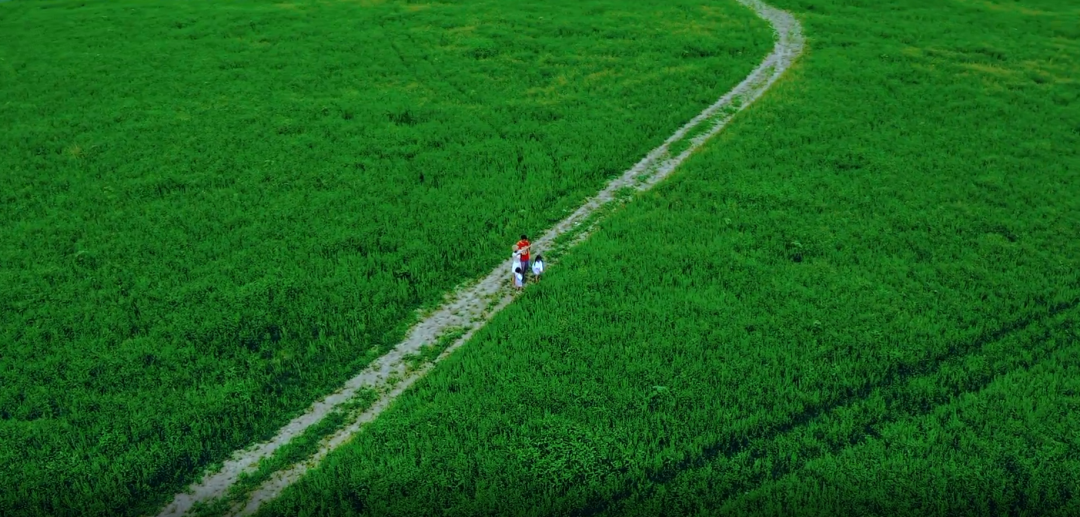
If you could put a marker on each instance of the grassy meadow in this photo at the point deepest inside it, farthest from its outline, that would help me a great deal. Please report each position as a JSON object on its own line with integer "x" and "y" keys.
{"x": 215, "y": 212}
{"x": 860, "y": 299}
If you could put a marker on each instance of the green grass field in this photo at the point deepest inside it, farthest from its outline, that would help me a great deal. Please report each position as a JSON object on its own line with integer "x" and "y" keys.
{"x": 860, "y": 299}
{"x": 214, "y": 213}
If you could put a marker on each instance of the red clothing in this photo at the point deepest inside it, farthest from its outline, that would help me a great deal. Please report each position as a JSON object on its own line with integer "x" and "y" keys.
{"x": 523, "y": 244}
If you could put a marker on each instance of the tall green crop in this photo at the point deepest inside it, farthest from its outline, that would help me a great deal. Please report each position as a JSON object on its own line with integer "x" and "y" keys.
{"x": 216, "y": 213}
{"x": 862, "y": 298}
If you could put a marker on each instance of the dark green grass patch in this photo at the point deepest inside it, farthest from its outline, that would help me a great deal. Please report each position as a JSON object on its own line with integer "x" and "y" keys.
{"x": 216, "y": 212}
{"x": 997, "y": 451}
{"x": 861, "y": 299}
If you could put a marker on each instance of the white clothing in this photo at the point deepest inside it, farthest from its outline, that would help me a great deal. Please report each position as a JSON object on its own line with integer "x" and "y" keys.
{"x": 538, "y": 267}
{"x": 519, "y": 280}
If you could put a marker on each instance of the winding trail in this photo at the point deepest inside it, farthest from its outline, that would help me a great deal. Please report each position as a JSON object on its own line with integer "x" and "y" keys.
{"x": 474, "y": 305}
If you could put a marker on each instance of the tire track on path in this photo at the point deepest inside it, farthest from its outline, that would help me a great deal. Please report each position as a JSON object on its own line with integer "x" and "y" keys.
{"x": 472, "y": 306}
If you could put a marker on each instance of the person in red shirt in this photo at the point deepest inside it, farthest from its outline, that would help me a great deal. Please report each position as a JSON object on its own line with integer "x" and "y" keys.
{"x": 523, "y": 247}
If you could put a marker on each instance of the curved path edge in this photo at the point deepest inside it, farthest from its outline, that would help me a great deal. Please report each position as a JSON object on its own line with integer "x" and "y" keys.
{"x": 472, "y": 307}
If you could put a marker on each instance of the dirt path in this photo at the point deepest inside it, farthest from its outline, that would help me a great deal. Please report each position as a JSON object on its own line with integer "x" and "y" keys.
{"x": 473, "y": 306}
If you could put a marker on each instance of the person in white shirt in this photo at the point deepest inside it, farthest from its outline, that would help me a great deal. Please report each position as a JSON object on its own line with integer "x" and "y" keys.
{"x": 538, "y": 267}
{"x": 515, "y": 264}
{"x": 519, "y": 279}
